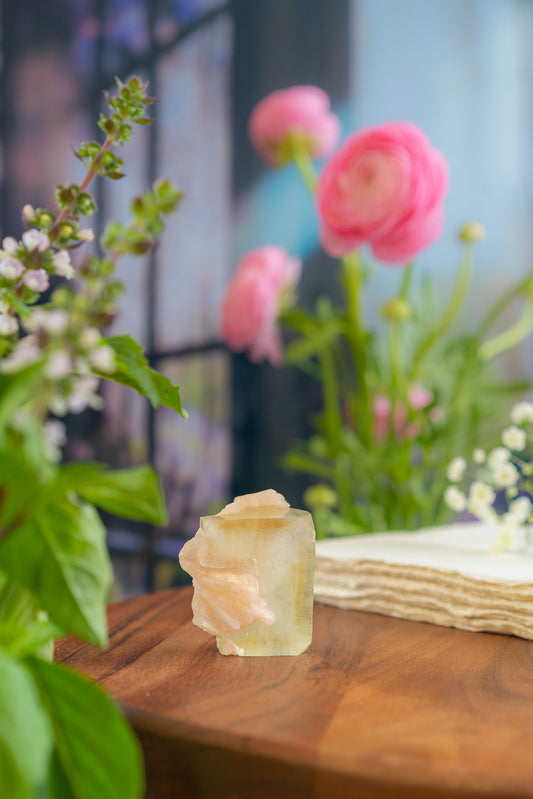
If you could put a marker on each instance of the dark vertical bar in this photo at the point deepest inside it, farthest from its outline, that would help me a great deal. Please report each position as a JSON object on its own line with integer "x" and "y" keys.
{"x": 279, "y": 44}
{"x": 100, "y": 12}
{"x": 152, "y": 277}
{"x": 7, "y": 118}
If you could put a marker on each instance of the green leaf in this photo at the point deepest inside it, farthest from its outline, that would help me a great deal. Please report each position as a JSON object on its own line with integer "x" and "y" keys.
{"x": 129, "y": 493}
{"x": 16, "y": 475}
{"x": 134, "y": 371}
{"x": 300, "y": 462}
{"x": 339, "y": 527}
{"x": 314, "y": 342}
{"x": 168, "y": 394}
{"x": 20, "y": 307}
{"x": 58, "y": 785}
{"x": 298, "y": 319}
{"x": 16, "y": 389}
{"x": 25, "y": 734}
{"x": 60, "y": 555}
{"x": 98, "y": 754}
{"x": 132, "y": 367}
{"x": 21, "y": 641}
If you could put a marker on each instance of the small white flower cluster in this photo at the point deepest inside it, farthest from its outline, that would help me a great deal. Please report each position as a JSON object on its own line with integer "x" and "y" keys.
{"x": 71, "y": 352}
{"x": 501, "y": 469}
{"x": 68, "y": 362}
{"x": 28, "y": 264}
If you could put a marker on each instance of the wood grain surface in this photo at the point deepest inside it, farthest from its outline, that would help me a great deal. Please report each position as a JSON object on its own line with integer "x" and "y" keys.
{"x": 377, "y": 708}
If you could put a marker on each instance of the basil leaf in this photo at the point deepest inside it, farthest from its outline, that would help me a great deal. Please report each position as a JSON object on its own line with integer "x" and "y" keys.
{"x": 25, "y": 733}
{"x": 16, "y": 389}
{"x": 130, "y": 493}
{"x": 133, "y": 370}
{"x": 60, "y": 555}
{"x": 167, "y": 393}
{"x": 98, "y": 753}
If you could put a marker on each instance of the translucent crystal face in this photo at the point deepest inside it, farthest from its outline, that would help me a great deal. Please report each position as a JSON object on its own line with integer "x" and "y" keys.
{"x": 253, "y": 578}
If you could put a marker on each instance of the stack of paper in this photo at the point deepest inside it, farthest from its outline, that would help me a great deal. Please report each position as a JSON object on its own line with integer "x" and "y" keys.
{"x": 443, "y": 575}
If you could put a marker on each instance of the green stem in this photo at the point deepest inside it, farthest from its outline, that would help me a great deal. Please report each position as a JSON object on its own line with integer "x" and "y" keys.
{"x": 450, "y": 312}
{"x": 333, "y": 425}
{"x": 510, "y": 337}
{"x": 353, "y": 279}
{"x": 332, "y": 418}
{"x": 406, "y": 281}
{"x": 300, "y": 156}
{"x": 91, "y": 173}
{"x": 395, "y": 339}
{"x": 395, "y": 359}
{"x": 500, "y": 305}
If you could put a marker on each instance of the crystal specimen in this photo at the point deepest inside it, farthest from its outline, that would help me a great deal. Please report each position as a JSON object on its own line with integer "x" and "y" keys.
{"x": 252, "y": 567}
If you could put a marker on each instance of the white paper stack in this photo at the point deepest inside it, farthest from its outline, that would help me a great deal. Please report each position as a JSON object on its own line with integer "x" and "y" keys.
{"x": 444, "y": 575}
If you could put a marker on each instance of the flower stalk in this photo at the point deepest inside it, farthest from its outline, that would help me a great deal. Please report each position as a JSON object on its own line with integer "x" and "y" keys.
{"x": 396, "y": 403}
{"x": 450, "y": 312}
{"x": 510, "y": 337}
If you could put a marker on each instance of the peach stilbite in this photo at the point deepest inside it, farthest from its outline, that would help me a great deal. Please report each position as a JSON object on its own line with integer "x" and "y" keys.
{"x": 253, "y": 567}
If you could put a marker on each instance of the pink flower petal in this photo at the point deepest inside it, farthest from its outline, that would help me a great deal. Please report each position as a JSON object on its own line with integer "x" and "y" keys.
{"x": 252, "y": 302}
{"x": 302, "y": 110}
{"x": 385, "y": 187}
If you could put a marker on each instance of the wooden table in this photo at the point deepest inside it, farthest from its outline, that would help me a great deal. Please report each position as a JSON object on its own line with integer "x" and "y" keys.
{"x": 378, "y": 707}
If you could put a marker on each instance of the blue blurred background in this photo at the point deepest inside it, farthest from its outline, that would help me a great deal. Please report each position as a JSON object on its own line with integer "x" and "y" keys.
{"x": 460, "y": 69}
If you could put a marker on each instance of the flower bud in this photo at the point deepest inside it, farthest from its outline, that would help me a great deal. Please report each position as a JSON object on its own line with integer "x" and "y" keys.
{"x": 8, "y": 325}
{"x": 45, "y": 219}
{"x": 66, "y": 231}
{"x": 28, "y": 212}
{"x": 62, "y": 265}
{"x": 85, "y": 235}
{"x": 396, "y": 310}
{"x": 320, "y": 495}
{"x": 10, "y": 245}
{"x": 472, "y": 232}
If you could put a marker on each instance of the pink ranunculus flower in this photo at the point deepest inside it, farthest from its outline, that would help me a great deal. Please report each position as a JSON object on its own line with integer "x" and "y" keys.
{"x": 303, "y": 111}
{"x": 385, "y": 188}
{"x": 253, "y": 300}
